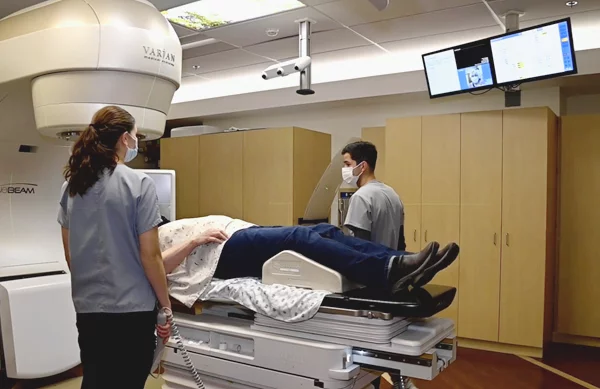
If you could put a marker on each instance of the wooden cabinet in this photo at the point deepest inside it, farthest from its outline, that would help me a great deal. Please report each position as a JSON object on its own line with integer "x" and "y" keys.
{"x": 528, "y": 201}
{"x": 480, "y": 225}
{"x": 579, "y": 268}
{"x": 181, "y": 155}
{"x": 262, "y": 176}
{"x": 220, "y": 174}
{"x": 440, "y": 187}
{"x": 268, "y": 178}
{"x": 403, "y": 172}
{"x": 488, "y": 181}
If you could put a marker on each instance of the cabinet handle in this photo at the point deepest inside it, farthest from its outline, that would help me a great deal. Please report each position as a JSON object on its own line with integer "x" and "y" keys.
{"x": 507, "y": 242}
{"x": 425, "y": 236}
{"x": 495, "y": 238}
{"x": 415, "y": 235}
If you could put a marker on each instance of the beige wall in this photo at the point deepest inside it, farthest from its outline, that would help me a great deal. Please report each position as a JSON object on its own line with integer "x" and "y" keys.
{"x": 582, "y": 105}
{"x": 344, "y": 120}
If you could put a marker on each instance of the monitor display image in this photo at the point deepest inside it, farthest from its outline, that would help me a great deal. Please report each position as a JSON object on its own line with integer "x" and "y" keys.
{"x": 534, "y": 53}
{"x": 459, "y": 69}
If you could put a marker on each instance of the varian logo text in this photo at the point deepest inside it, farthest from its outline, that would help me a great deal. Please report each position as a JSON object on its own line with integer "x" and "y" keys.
{"x": 18, "y": 188}
{"x": 160, "y": 55}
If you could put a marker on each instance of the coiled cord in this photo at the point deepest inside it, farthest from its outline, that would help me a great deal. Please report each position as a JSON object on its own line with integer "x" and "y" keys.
{"x": 401, "y": 382}
{"x": 184, "y": 354}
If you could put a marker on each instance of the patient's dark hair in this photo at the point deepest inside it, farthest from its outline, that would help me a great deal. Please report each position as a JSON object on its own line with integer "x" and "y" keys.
{"x": 362, "y": 151}
{"x": 96, "y": 149}
{"x": 164, "y": 221}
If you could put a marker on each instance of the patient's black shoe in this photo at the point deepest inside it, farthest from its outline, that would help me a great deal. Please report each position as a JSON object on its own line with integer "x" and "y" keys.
{"x": 405, "y": 268}
{"x": 444, "y": 258}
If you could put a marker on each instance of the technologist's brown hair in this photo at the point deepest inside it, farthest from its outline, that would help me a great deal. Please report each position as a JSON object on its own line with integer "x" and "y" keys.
{"x": 95, "y": 150}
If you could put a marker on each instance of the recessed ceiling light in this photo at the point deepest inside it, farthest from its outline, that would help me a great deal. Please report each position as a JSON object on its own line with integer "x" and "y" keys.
{"x": 195, "y": 67}
{"x": 206, "y": 14}
{"x": 272, "y": 32}
{"x": 572, "y": 3}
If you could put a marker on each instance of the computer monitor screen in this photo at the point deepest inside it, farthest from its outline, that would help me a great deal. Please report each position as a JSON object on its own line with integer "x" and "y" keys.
{"x": 534, "y": 53}
{"x": 459, "y": 69}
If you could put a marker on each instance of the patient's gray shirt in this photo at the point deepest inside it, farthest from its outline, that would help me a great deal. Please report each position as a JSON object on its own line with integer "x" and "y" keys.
{"x": 376, "y": 207}
{"x": 104, "y": 228}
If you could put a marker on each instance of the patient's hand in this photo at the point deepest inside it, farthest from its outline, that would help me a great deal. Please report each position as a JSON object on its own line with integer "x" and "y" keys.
{"x": 211, "y": 236}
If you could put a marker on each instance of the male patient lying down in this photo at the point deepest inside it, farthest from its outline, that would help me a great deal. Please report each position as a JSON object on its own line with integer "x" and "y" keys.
{"x": 196, "y": 250}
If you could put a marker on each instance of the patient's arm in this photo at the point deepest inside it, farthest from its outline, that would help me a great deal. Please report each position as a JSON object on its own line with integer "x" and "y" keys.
{"x": 173, "y": 256}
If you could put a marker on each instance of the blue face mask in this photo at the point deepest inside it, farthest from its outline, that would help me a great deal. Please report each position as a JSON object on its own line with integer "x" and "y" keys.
{"x": 131, "y": 153}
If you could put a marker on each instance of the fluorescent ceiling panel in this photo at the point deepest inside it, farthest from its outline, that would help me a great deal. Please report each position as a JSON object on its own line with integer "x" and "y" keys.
{"x": 206, "y": 14}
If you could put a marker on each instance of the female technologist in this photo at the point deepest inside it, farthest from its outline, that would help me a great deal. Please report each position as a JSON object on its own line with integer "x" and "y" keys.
{"x": 109, "y": 216}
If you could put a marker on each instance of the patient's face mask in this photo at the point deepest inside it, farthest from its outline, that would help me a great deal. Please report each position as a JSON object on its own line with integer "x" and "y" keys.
{"x": 131, "y": 152}
{"x": 348, "y": 174}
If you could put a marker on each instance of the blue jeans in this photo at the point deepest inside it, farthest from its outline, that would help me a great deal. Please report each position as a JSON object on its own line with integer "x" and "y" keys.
{"x": 361, "y": 261}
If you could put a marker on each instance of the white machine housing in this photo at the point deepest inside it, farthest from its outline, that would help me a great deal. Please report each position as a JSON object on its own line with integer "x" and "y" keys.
{"x": 164, "y": 181}
{"x": 34, "y": 279}
{"x": 81, "y": 55}
{"x": 61, "y": 62}
{"x": 294, "y": 269}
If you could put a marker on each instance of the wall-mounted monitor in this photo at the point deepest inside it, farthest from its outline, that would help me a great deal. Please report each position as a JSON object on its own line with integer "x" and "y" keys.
{"x": 531, "y": 54}
{"x": 459, "y": 69}
{"x": 534, "y": 53}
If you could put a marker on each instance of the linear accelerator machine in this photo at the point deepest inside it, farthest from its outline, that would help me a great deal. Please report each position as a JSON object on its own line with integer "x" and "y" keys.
{"x": 356, "y": 333}
{"x": 61, "y": 62}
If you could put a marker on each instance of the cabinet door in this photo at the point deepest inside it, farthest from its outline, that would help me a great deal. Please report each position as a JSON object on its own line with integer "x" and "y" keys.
{"x": 524, "y": 196}
{"x": 181, "y": 155}
{"x": 376, "y": 135}
{"x": 440, "y": 160}
{"x": 268, "y": 177}
{"x": 220, "y": 174}
{"x": 403, "y": 158}
{"x": 480, "y": 225}
{"x": 441, "y": 224}
{"x": 412, "y": 227}
{"x": 441, "y": 192}
{"x": 579, "y": 267}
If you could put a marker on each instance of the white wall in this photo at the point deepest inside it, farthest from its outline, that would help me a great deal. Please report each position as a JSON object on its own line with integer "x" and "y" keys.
{"x": 583, "y": 105}
{"x": 345, "y": 119}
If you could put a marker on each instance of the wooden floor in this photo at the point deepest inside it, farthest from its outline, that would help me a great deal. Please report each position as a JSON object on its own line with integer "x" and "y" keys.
{"x": 472, "y": 370}
{"x": 475, "y": 369}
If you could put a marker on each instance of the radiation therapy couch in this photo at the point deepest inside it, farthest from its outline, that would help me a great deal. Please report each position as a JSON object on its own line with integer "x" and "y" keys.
{"x": 355, "y": 335}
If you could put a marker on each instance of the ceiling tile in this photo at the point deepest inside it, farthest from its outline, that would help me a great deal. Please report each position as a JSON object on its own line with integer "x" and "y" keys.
{"x": 206, "y": 50}
{"x": 320, "y": 42}
{"x": 254, "y": 31}
{"x": 434, "y": 23}
{"x": 183, "y": 31}
{"x": 414, "y": 48}
{"x": 220, "y": 61}
{"x": 168, "y": 4}
{"x": 538, "y": 9}
{"x": 8, "y": 7}
{"x": 353, "y": 12}
{"x": 316, "y": 2}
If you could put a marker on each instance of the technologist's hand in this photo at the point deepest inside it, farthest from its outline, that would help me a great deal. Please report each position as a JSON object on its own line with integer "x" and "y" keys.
{"x": 211, "y": 236}
{"x": 164, "y": 331}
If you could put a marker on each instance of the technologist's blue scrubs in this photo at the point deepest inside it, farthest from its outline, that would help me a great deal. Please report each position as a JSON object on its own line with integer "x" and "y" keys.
{"x": 114, "y": 301}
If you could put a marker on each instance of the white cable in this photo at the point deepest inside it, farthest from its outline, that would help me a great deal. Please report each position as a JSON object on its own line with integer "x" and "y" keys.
{"x": 165, "y": 315}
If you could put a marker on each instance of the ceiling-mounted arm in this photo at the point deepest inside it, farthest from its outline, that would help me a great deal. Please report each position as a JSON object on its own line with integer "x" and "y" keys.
{"x": 305, "y": 75}
{"x": 494, "y": 15}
